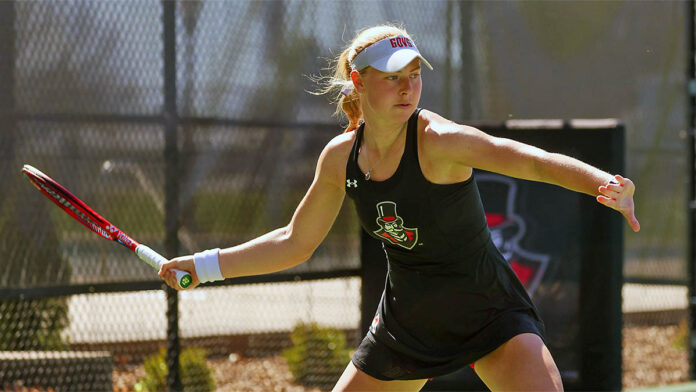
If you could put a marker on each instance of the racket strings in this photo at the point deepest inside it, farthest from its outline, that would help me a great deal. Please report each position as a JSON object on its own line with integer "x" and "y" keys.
{"x": 78, "y": 213}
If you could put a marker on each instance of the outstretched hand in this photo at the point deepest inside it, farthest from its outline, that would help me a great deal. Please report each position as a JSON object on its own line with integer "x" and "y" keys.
{"x": 183, "y": 263}
{"x": 619, "y": 195}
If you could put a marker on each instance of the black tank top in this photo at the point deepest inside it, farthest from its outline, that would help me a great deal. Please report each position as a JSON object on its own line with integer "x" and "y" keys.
{"x": 446, "y": 281}
{"x": 422, "y": 225}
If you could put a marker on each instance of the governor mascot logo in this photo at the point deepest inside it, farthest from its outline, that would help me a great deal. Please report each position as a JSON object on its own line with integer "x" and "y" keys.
{"x": 391, "y": 226}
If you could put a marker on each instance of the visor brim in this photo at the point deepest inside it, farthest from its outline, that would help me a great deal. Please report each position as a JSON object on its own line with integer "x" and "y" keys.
{"x": 398, "y": 60}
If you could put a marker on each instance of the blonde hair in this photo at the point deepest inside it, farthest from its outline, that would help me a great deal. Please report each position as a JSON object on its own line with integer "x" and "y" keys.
{"x": 349, "y": 105}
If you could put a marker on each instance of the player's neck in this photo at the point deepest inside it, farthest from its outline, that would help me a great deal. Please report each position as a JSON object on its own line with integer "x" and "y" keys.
{"x": 381, "y": 136}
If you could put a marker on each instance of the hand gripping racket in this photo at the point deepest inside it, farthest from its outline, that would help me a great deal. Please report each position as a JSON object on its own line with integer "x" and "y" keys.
{"x": 95, "y": 222}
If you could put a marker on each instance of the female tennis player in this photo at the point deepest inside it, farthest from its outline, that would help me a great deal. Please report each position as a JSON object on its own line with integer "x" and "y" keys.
{"x": 451, "y": 299}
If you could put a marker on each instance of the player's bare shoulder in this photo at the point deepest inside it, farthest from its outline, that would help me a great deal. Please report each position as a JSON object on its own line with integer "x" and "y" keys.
{"x": 338, "y": 149}
{"x": 439, "y": 135}
{"x": 334, "y": 158}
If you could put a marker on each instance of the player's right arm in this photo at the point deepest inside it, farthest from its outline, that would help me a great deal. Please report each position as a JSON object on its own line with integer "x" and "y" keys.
{"x": 294, "y": 243}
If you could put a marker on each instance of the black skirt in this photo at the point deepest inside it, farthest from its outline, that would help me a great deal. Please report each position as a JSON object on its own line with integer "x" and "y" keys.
{"x": 429, "y": 324}
{"x": 386, "y": 363}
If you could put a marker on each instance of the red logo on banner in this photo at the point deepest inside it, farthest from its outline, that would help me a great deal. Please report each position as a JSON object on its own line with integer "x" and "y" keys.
{"x": 508, "y": 228}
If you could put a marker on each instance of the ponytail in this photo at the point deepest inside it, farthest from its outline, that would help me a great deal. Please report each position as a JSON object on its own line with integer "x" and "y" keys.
{"x": 348, "y": 99}
{"x": 350, "y": 105}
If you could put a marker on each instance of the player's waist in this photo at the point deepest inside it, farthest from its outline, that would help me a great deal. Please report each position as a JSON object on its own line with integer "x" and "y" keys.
{"x": 445, "y": 254}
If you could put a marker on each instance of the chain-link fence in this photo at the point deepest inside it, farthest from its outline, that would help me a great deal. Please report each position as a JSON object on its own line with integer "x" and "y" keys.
{"x": 187, "y": 125}
{"x": 94, "y": 102}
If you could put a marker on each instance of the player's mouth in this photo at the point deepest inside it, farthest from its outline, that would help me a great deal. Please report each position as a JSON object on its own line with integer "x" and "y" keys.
{"x": 403, "y": 105}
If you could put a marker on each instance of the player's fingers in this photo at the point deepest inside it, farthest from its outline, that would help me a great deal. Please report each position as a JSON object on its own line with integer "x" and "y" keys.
{"x": 615, "y": 187}
{"x": 618, "y": 194}
{"x": 628, "y": 213}
{"x": 625, "y": 183}
{"x": 607, "y": 201}
{"x": 170, "y": 279}
{"x": 169, "y": 276}
{"x": 182, "y": 264}
{"x": 610, "y": 190}
{"x": 164, "y": 269}
{"x": 174, "y": 263}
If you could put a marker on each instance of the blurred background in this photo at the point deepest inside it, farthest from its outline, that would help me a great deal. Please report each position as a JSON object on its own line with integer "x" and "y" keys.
{"x": 189, "y": 125}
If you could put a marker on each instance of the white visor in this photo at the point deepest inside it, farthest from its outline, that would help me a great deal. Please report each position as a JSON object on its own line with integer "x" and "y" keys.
{"x": 389, "y": 55}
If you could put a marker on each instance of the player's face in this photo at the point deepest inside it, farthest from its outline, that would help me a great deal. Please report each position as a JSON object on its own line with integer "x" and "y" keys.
{"x": 392, "y": 93}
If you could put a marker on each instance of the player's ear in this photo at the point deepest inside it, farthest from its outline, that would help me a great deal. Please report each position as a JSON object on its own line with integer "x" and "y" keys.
{"x": 357, "y": 81}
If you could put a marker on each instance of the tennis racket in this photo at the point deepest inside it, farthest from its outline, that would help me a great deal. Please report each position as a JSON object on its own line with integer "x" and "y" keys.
{"x": 95, "y": 222}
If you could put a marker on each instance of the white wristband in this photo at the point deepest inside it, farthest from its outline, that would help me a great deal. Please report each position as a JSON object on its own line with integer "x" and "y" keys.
{"x": 207, "y": 265}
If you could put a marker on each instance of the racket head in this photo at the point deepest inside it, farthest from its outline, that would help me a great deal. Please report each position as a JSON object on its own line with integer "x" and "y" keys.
{"x": 68, "y": 202}
{"x": 93, "y": 221}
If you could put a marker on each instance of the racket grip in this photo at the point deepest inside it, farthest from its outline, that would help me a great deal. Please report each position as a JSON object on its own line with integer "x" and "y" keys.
{"x": 155, "y": 260}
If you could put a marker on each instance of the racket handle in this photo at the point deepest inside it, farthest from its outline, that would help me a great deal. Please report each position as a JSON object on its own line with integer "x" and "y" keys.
{"x": 155, "y": 260}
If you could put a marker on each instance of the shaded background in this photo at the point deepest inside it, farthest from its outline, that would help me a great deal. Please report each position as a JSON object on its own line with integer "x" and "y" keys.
{"x": 84, "y": 97}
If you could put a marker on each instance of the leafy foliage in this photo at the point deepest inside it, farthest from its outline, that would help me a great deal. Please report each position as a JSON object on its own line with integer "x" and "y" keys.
{"x": 195, "y": 373}
{"x": 318, "y": 355}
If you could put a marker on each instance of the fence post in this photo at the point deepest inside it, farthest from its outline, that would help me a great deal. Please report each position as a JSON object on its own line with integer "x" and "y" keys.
{"x": 7, "y": 101}
{"x": 691, "y": 186}
{"x": 601, "y": 272}
{"x": 171, "y": 157}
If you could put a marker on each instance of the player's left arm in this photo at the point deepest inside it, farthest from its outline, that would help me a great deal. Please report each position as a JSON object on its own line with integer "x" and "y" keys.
{"x": 471, "y": 147}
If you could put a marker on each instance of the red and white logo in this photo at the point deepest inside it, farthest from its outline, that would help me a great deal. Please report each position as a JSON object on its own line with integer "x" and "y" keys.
{"x": 508, "y": 229}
